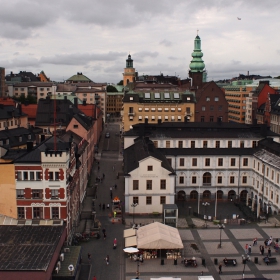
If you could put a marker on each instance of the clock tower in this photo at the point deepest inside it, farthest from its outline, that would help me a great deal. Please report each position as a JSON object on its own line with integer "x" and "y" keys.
{"x": 129, "y": 72}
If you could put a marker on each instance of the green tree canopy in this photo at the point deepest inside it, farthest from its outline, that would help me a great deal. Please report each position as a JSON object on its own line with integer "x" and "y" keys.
{"x": 120, "y": 83}
{"x": 111, "y": 89}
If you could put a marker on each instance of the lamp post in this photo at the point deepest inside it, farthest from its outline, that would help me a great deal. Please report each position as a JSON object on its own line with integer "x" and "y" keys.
{"x": 133, "y": 205}
{"x": 205, "y": 204}
{"x": 244, "y": 261}
{"x": 221, "y": 227}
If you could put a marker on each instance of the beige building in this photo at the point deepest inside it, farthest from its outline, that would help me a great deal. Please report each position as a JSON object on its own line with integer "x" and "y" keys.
{"x": 114, "y": 103}
{"x": 154, "y": 107}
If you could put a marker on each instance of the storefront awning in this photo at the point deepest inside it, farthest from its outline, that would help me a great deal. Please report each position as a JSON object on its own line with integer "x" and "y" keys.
{"x": 129, "y": 232}
{"x": 158, "y": 236}
{"x": 130, "y": 241}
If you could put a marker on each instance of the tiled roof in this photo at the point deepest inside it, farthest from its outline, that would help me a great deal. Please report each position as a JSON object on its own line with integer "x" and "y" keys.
{"x": 65, "y": 110}
{"x": 30, "y": 110}
{"x": 28, "y": 247}
{"x": 34, "y": 84}
{"x": 141, "y": 149}
{"x": 16, "y": 136}
{"x": 89, "y": 110}
{"x": 10, "y": 111}
{"x": 199, "y": 130}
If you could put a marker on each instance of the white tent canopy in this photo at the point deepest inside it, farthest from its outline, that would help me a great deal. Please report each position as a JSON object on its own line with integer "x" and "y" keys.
{"x": 129, "y": 232}
{"x": 158, "y": 236}
{"x": 130, "y": 241}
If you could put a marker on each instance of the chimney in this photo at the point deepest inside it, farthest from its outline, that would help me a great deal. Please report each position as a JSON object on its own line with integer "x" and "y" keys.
{"x": 29, "y": 146}
{"x": 84, "y": 103}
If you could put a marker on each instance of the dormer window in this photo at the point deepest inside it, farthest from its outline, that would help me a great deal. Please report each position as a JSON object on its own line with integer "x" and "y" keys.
{"x": 20, "y": 139}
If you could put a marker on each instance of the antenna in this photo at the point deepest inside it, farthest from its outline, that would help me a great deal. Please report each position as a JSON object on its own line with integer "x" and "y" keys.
{"x": 54, "y": 125}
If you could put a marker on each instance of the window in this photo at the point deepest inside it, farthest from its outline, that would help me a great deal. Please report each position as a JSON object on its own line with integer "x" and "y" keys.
{"x": 148, "y": 200}
{"x": 20, "y": 213}
{"x": 192, "y": 144}
{"x": 163, "y": 184}
{"x": 216, "y": 98}
{"x": 20, "y": 193}
{"x": 211, "y": 108}
{"x": 135, "y": 200}
{"x": 56, "y": 176}
{"x": 150, "y": 168}
{"x": 51, "y": 176}
{"x": 207, "y": 162}
{"x": 19, "y": 176}
{"x": 167, "y": 144}
{"x": 203, "y": 108}
{"x": 181, "y": 180}
{"x": 244, "y": 179}
{"x": 267, "y": 171}
{"x": 232, "y": 162}
{"x": 194, "y": 162}
{"x": 207, "y": 98}
{"x": 277, "y": 178}
{"x": 31, "y": 174}
{"x": 229, "y": 144}
{"x": 37, "y": 212}
{"x": 245, "y": 161}
{"x": 220, "y": 108}
{"x": 55, "y": 212}
{"x": 182, "y": 162}
{"x": 36, "y": 194}
{"x": 193, "y": 179}
{"x": 156, "y": 144}
{"x": 38, "y": 176}
{"x": 206, "y": 178}
{"x": 54, "y": 193}
{"x": 202, "y": 119}
{"x": 162, "y": 199}
{"x": 217, "y": 144}
{"x": 220, "y": 162}
{"x": 211, "y": 119}
{"x": 25, "y": 175}
{"x": 231, "y": 179}
{"x": 169, "y": 161}
{"x": 149, "y": 184}
{"x": 220, "y": 180}
{"x": 204, "y": 144}
{"x": 254, "y": 144}
{"x": 75, "y": 126}
{"x": 135, "y": 185}
{"x": 180, "y": 144}
{"x": 241, "y": 144}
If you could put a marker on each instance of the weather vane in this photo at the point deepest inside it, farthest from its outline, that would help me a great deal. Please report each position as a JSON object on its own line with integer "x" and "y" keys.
{"x": 197, "y": 31}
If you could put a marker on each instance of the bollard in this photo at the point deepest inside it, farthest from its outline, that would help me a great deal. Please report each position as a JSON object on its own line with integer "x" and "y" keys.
{"x": 175, "y": 261}
{"x": 216, "y": 261}
{"x": 162, "y": 262}
{"x": 203, "y": 262}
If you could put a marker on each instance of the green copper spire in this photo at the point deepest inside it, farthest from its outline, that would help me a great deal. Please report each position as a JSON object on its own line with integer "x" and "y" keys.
{"x": 197, "y": 64}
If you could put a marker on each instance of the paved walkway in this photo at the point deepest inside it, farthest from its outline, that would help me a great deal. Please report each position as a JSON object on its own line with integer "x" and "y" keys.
{"x": 199, "y": 242}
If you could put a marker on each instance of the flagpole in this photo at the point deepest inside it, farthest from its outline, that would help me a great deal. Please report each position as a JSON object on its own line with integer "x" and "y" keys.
{"x": 216, "y": 205}
{"x": 198, "y": 201}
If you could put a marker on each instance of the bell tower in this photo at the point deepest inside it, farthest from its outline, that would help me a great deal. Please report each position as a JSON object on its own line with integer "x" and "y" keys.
{"x": 197, "y": 72}
{"x": 129, "y": 72}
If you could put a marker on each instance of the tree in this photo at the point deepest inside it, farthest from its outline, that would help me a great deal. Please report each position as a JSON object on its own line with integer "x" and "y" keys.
{"x": 111, "y": 89}
{"x": 120, "y": 83}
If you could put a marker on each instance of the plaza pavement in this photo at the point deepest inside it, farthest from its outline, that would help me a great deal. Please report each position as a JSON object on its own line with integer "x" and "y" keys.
{"x": 234, "y": 237}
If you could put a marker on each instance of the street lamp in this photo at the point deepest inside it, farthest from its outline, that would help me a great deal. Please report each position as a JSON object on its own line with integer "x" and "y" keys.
{"x": 221, "y": 227}
{"x": 133, "y": 205}
{"x": 244, "y": 261}
{"x": 205, "y": 204}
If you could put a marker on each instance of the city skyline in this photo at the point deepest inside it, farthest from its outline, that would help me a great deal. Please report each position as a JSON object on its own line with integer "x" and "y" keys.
{"x": 95, "y": 37}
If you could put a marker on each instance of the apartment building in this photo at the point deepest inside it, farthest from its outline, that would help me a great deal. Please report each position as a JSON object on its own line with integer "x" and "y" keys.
{"x": 211, "y": 161}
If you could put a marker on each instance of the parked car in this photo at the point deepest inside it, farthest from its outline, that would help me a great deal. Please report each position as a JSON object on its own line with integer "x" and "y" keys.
{"x": 107, "y": 135}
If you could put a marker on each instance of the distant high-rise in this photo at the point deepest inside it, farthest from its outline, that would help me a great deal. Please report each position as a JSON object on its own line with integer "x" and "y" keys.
{"x": 2, "y": 82}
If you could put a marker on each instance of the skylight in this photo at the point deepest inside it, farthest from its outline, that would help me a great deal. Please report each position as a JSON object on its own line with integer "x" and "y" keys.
{"x": 166, "y": 95}
{"x": 176, "y": 95}
{"x": 157, "y": 95}
{"x": 147, "y": 95}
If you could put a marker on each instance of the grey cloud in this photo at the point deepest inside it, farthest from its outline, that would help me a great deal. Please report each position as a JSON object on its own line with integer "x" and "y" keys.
{"x": 173, "y": 58}
{"x": 81, "y": 58}
{"x": 166, "y": 43}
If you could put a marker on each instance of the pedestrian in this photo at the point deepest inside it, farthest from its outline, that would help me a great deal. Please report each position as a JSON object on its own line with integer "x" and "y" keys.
{"x": 220, "y": 268}
{"x": 94, "y": 278}
{"x": 115, "y": 186}
{"x": 98, "y": 162}
{"x": 113, "y": 167}
{"x": 103, "y": 176}
{"x": 108, "y": 206}
{"x": 255, "y": 241}
{"x": 107, "y": 259}
{"x": 115, "y": 213}
{"x": 104, "y": 233}
{"x": 262, "y": 250}
{"x": 115, "y": 243}
{"x": 111, "y": 195}
{"x": 99, "y": 206}
{"x": 111, "y": 189}
{"x": 269, "y": 252}
{"x": 246, "y": 249}
{"x": 89, "y": 257}
{"x": 103, "y": 206}
{"x": 249, "y": 250}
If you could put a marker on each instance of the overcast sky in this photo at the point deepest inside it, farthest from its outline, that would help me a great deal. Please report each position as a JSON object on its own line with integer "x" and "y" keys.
{"x": 63, "y": 37}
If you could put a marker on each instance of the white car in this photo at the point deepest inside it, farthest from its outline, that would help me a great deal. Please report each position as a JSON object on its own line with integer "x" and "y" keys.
{"x": 107, "y": 135}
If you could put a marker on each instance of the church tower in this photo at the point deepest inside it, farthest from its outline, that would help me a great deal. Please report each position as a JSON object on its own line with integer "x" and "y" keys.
{"x": 129, "y": 72}
{"x": 197, "y": 72}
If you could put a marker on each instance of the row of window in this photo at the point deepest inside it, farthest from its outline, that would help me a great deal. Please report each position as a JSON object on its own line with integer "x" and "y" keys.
{"x": 9, "y": 123}
{"x": 207, "y": 162}
{"x": 35, "y": 176}
{"x": 269, "y": 173}
{"x": 149, "y": 200}
{"x": 212, "y": 108}
{"x": 205, "y": 144}
{"x": 153, "y": 118}
{"x": 38, "y": 194}
{"x": 37, "y": 213}
{"x": 149, "y": 184}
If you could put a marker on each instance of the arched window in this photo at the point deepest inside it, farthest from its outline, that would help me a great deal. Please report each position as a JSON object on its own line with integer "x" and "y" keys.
{"x": 193, "y": 195}
{"x": 206, "y": 194}
{"x": 231, "y": 195}
{"x": 207, "y": 178}
{"x": 220, "y": 194}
